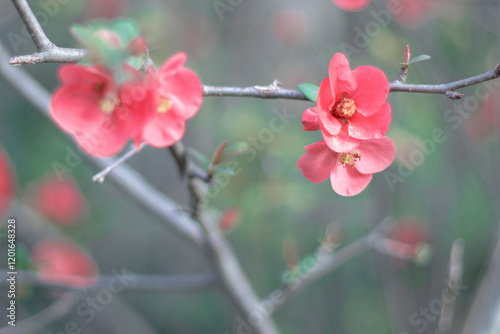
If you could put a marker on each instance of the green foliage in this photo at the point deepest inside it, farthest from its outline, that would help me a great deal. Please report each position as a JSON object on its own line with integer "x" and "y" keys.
{"x": 309, "y": 90}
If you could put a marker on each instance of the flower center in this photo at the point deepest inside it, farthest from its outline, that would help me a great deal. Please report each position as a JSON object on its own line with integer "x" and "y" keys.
{"x": 349, "y": 159}
{"x": 164, "y": 105}
{"x": 344, "y": 108}
{"x": 108, "y": 103}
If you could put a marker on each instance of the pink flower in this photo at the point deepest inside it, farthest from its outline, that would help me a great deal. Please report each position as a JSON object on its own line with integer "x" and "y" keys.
{"x": 351, "y": 105}
{"x": 177, "y": 98}
{"x": 351, "y": 5}
{"x": 7, "y": 182}
{"x": 60, "y": 201}
{"x": 349, "y": 172}
{"x": 62, "y": 262}
{"x": 101, "y": 115}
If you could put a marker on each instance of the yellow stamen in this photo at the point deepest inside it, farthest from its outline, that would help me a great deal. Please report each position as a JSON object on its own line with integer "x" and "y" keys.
{"x": 108, "y": 103}
{"x": 349, "y": 159}
{"x": 344, "y": 108}
{"x": 164, "y": 105}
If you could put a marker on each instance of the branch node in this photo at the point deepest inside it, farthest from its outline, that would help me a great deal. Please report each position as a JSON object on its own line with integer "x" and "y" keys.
{"x": 497, "y": 70}
{"x": 454, "y": 95}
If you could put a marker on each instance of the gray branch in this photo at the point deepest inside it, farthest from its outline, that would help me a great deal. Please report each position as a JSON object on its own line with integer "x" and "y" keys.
{"x": 175, "y": 283}
{"x": 327, "y": 262}
{"x": 48, "y": 52}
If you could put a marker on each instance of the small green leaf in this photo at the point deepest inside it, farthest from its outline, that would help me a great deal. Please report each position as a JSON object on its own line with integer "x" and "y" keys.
{"x": 309, "y": 90}
{"x": 225, "y": 170}
{"x": 82, "y": 34}
{"x": 126, "y": 29}
{"x": 202, "y": 159}
{"x": 135, "y": 62}
{"x": 417, "y": 59}
{"x": 233, "y": 150}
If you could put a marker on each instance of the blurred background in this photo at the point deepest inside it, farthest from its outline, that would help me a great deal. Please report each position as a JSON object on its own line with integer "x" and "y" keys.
{"x": 439, "y": 195}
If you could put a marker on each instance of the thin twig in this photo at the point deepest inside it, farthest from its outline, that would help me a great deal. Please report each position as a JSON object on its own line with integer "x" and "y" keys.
{"x": 136, "y": 282}
{"x": 455, "y": 271}
{"x": 101, "y": 176}
{"x": 449, "y": 88}
{"x": 403, "y": 72}
{"x": 325, "y": 264}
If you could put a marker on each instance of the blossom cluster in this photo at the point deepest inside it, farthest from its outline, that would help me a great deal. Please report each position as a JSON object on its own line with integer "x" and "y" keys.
{"x": 353, "y": 116}
{"x": 117, "y": 95}
{"x": 103, "y": 115}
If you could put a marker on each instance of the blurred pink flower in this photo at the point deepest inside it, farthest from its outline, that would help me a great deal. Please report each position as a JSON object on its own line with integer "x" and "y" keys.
{"x": 7, "y": 183}
{"x": 352, "y": 105}
{"x": 62, "y": 262}
{"x": 351, "y": 5}
{"x": 106, "y": 9}
{"x": 60, "y": 201}
{"x": 349, "y": 172}
{"x": 230, "y": 218}
{"x": 290, "y": 26}
{"x": 412, "y": 12}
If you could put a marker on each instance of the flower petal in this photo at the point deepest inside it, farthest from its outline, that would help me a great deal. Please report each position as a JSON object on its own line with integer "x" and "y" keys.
{"x": 374, "y": 126}
{"x": 340, "y": 75}
{"x": 187, "y": 88}
{"x": 317, "y": 163}
{"x": 347, "y": 181}
{"x": 341, "y": 142}
{"x": 75, "y": 107}
{"x": 372, "y": 90}
{"x": 351, "y": 5}
{"x": 85, "y": 75}
{"x": 164, "y": 129}
{"x": 106, "y": 140}
{"x": 376, "y": 155}
{"x": 330, "y": 124}
{"x": 310, "y": 119}
{"x": 173, "y": 63}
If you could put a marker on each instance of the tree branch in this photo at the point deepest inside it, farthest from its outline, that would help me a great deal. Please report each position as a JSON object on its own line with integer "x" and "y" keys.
{"x": 449, "y": 88}
{"x": 455, "y": 270}
{"x": 165, "y": 283}
{"x": 326, "y": 263}
{"x": 50, "y": 53}
{"x": 234, "y": 280}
